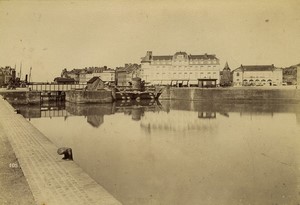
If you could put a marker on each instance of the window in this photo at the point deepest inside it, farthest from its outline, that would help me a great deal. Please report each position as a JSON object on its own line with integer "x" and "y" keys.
{"x": 237, "y": 74}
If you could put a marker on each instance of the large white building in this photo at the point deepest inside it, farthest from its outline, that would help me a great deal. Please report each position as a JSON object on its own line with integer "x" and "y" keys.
{"x": 181, "y": 69}
{"x": 247, "y": 75}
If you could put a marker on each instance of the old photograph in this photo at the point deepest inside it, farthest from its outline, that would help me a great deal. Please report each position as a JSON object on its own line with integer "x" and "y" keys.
{"x": 150, "y": 102}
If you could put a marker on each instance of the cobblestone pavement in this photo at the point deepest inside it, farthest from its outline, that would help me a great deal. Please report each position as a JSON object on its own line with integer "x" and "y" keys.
{"x": 51, "y": 179}
{"x": 14, "y": 189}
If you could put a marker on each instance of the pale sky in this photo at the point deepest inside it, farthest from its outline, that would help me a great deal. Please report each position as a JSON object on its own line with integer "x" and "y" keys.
{"x": 52, "y": 35}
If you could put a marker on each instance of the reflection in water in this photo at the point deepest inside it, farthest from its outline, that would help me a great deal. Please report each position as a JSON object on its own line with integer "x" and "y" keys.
{"x": 182, "y": 152}
{"x": 95, "y": 120}
{"x": 47, "y": 109}
{"x": 93, "y": 112}
{"x": 207, "y": 115}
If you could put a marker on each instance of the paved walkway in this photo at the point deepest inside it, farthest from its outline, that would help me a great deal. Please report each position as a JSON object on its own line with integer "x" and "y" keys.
{"x": 14, "y": 189}
{"x": 51, "y": 179}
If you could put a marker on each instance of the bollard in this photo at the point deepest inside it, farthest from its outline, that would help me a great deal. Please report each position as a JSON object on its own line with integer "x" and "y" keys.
{"x": 67, "y": 152}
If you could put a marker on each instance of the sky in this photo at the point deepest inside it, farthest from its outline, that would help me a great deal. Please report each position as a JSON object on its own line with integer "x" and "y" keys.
{"x": 52, "y": 35}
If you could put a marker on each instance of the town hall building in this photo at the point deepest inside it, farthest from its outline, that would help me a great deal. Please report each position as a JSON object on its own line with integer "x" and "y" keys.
{"x": 257, "y": 75}
{"x": 181, "y": 69}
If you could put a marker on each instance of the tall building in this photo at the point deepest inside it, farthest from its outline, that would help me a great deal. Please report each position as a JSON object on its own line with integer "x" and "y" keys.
{"x": 225, "y": 76}
{"x": 247, "y": 75}
{"x": 180, "y": 69}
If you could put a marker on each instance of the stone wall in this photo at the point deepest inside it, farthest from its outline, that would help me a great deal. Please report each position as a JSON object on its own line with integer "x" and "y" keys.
{"x": 22, "y": 97}
{"x": 81, "y": 96}
{"x": 222, "y": 94}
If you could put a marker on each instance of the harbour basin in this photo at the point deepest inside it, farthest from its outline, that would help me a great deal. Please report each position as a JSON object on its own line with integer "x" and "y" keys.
{"x": 182, "y": 152}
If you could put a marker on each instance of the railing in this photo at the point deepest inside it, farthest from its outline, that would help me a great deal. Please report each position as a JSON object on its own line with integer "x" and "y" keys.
{"x": 54, "y": 113}
{"x": 55, "y": 87}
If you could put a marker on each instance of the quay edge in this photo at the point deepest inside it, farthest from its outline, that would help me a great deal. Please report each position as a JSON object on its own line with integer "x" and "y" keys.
{"x": 52, "y": 180}
{"x": 89, "y": 96}
{"x": 22, "y": 97}
{"x": 230, "y": 94}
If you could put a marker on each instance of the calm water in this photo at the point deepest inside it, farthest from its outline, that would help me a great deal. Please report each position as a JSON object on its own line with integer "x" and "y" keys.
{"x": 175, "y": 153}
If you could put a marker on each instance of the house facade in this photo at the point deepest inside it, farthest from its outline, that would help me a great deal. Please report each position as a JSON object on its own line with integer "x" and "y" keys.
{"x": 180, "y": 69}
{"x": 108, "y": 75}
{"x": 5, "y": 75}
{"x": 83, "y": 75}
{"x": 124, "y": 75}
{"x": 257, "y": 75}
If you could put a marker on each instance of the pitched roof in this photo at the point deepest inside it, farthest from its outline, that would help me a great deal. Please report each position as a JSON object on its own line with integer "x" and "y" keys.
{"x": 93, "y": 79}
{"x": 204, "y": 57}
{"x": 150, "y": 57}
{"x": 226, "y": 67}
{"x": 162, "y": 57}
{"x": 128, "y": 68}
{"x": 61, "y": 79}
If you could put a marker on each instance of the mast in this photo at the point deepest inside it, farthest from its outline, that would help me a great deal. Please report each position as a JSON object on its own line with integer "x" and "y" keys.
{"x": 20, "y": 73}
{"x": 29, "y": 74}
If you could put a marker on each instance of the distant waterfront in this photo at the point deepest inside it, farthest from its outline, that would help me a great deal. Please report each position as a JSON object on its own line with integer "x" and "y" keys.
{"x": 183, "y": 152}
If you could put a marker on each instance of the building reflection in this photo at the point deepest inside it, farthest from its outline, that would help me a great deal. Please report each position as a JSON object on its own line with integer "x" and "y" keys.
{"x": 95, "y": 120}
{"x": 207, "y": 115}
{"x": 138, "y": 111}
{"x": 245, "y": 108}
{"x": 45, "y": 110}
{"x": 207, "y": 110}
{"x": 93, "y": 112}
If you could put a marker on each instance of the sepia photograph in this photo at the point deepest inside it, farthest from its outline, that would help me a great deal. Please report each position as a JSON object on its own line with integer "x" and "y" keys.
{"x": 150, "y": 102}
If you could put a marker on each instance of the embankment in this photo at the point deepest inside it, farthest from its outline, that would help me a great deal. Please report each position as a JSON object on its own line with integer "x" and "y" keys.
{"x": 230, "y": 94}
{"x": 51, "y": 180}
{"x": 22, "y": 97}
{"x": 84, "y": 96}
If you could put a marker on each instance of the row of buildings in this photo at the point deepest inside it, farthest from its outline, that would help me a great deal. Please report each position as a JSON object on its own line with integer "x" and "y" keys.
{"x": 181, "y": 69}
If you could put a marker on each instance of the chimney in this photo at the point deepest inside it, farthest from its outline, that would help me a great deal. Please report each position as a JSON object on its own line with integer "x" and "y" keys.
{"x": 13, "y": 74}
{"x": 149, "y": 55}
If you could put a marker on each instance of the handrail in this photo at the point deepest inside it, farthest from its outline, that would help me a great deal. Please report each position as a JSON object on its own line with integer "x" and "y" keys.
{"x": 55, "y": 87}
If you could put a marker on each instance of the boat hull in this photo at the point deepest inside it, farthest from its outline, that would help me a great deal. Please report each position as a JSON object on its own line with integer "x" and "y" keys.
{"x": 136, "y": 95}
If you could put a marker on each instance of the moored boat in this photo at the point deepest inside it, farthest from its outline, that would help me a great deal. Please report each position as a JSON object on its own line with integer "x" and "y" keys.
{"x": 135, "y": 94}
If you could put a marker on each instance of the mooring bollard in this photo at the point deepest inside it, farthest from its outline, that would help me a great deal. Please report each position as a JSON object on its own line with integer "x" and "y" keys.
{"x": 67, "y": 152}
{"x": 17, "y": 111}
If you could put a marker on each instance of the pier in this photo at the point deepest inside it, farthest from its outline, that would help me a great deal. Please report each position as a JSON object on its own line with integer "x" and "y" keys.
{"x": 54, "y": 92}
{"x": 51, "y": 180}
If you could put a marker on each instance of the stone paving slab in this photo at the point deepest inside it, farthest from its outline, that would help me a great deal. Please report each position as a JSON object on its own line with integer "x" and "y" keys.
{"x": 51, "y": 179}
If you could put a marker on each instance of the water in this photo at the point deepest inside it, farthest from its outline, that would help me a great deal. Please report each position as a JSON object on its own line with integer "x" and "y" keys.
{"x": 182, "y": 152}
